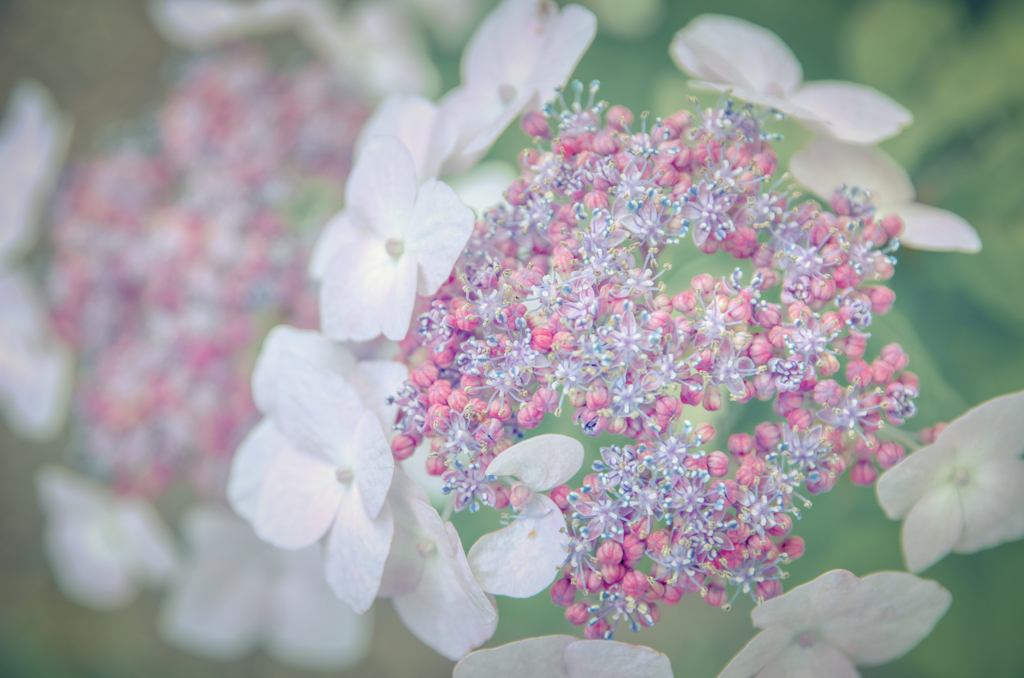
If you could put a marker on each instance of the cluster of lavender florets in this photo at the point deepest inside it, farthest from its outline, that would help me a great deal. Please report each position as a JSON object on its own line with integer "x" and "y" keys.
{"x": 559, "y": 301}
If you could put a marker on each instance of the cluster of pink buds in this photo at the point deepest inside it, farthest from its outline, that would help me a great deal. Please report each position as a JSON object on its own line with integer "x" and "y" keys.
{"x": 558, "y": 301}
{"x": 174, "y": 255}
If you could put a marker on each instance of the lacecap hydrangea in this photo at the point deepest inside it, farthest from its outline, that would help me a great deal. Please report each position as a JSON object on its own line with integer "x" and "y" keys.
{"x": 558, "y": 306}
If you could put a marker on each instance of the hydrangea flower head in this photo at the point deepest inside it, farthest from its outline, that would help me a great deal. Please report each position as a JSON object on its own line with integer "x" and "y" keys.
{"x": 965, "y": 491}
{"x": 753, "y": 64}
{"x": 559, "y": 305}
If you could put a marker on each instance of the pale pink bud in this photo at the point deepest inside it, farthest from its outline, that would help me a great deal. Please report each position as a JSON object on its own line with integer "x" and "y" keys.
{"x": 760, "y": 350}
{"x": 792, "y": 547}
{"x": 882, "y": 299}
{"x": 718, "y": 464}
{"x": 535, "y": 124}
{"x": 577, "y": 614}
{"x": 828, "y": 392}
{"x": 424, "y": 374}
{"x": 669, "y": 407}
{"x": 619, "y": 118}
{"x": 657, "y": 540}
{"x": 563, "y": 259}
{"x": 740, "y": 445}
{"x": 894, "y": 355}
{"x": 597, "y": 631}
{"x": 706, "y": 432}
{"x": 704, "y": 284}
{"x": 881, "y": 371}
{"x": 890, "y": 454}
{"x": 436, "y": 466}
{"x": 590, "y": 582}
{"x": 716, "y": 595}
{"x": 655, "y": 591}
{"x": 560, "y": 495}
{"x": 617, "y": 426}
{"x": 685, "y": 302}
{"x": 672, "y": 595}
{"x": 598, "y": 398}
{"x": 828, "y": 366}
{"x": 859, "y": 373}
{"x": 863, "y": 473}
{"x": 596, "y": 200}
{"x": 458, "y": 400}
{"x": 750, "y": 471}
{"x": 633, "y": 549}
{"x": 519, "y": 496}
{"x": 438, "y": 392}
{"x": 403, "y": 446}
{"x": 529, "y": 416}
{"x": 612, "y": 572}
{"x": 500, "y": 409}
{"x": 766, "y": 590}
{"x": 634, "y": 583}
{"x": 767, "y": 437}
{"x": 563, "y": 593}
{"x": 783, "y": 524}
{"x": 609, "y": 552}
{"x": 855, "y": 345}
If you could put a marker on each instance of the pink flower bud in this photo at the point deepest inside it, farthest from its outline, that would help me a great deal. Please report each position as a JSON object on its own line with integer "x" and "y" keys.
{"x": 863, "y": 473}
{"x": 438, "y": 392}
{"x": 529, "y": 416}
{"x": 424, "y": 374}
{"x": 854, "y": 346}
{"x": 718, "y": 464}
{"x": 619, "y": 118}
{"x": 596, "y": 200}
{"x": 706, "y": 433}
{"x": 828, "y": 392}
{"x": 563, "y": 259}
{"x": 403, "y": 446}
{"x": 598, "y": 398}
{"x": 577, "y": 614}
{"x": 609, "y": 552}
{"x": 766, "y": 590}
{"x": 750, "y": 471}
{"x": 436, "y": 466}
{"x": 685, "y": 302}
{"x": 458, "y": 400}
{"x": 890, "y": 454}
{"x": 590, "y": 582}
{"x": 767, "y": 437}
{"x": 655, "y": 591}
{"x": 859, "y": 373}
{"x": 520, "y": 496}
{"x": 541, "y": 339}
{"x": 881, "y": 371}
{"x": 882, "y": 299}
{"x": 740, "y": 445}
{"x": 500, "y": 409}
{"x": 502, "y": 494}
{"x": 563, "y": 593}
{"x": 633, "y": 549}
{"x": 892, "y": 224}
{"x": 800, "y": 419}
{"x": 535, "y": 124}
{"x": 612, "y": 572}
{"x": 894, "y": 355}
{"x": 716, "y": 595}
{"x": 760, "y": 350}
{"x": 657, "y": 540}
{"x": 597, "y": 631}
{"x": 792, "y": 547}
{"x": 783, "y": 524}
{"x": 634, "y": 583}
{"x": 672, "y": 595}
{"x": 560, "y": 495}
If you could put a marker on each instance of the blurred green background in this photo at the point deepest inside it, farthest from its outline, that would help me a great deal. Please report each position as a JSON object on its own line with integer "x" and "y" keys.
{"x": 956, "y": 64}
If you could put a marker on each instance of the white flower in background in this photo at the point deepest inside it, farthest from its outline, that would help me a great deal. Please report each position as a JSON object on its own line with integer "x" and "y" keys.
{"x": 235, "y": 593}
{"x": 369, "y": 41}
{"x": 522, "y": 559}
{"x": 429, "y": 580}
{"x": 103, "y": 549}
{"x": 827, "y": 626}
{"x": 964, "y": 492}
{"x": 318, "y": 467}
{"x": 565, "y": 657}
{"x": 826, "y": 164}
{"x": 521, "y": 52}
{"x": 35, "y": 367}
{"x": 727, "y": 53}
{"x": 394, "y": 240}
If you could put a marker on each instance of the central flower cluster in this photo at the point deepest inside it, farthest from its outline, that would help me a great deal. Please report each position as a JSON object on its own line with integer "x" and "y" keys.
{"x": 559, "y": 300}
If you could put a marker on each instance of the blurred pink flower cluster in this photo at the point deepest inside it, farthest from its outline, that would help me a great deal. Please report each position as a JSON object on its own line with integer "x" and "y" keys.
{"x": 173, "y": 256}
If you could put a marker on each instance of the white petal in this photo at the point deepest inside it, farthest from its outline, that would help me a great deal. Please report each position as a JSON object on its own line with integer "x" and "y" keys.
{"x": 482, "y": 187}
{"x": 217, "y": 608}
{"x": 993, "y": 430}
{"x": 355, "y": 552}
{"x": 153, "y": 549}
{"x": 522, "y": 559}
{"x": 33, "y": 142}
{"x": 567, "y": 39}
{"x": 251, "y": 465}
{"x": 375, "y": 380}
{"x": 382, "y": 187}
{"x": 853, "y": 112}
{"x": 428, "y": 133}
{"x": 728, "y": 50}
{"x": 816, "y": 661}
{"x": 313, "y": 346}
{"x": 441, "y": 228}
{"x": 62, "y": 492}
{"x": 415, "y": 467}
{"x": 884, "y": 616}
{"x": 310, "y": 628}
{"x": 338, "y": 234}
{"x": 904, "y": 484}
{"x": 38, "y": 406}
{"x": 366, "y": 292}
{"x": 541, "y": 462}
{"x": 322, "y": 415}
{"x": 607, "y": 657}
{"x": 448, "y": 612}
{"x": 933, "y": 527}
{"x": 935, "y": 229}
{"x": 299, "y": 500}
{"x": 537, "y": 657}
{"x": 993, "y": 505}
{"x": 826, "y": 164}
{"x": 759, "y": 652}
{"x": 404, "y": 567}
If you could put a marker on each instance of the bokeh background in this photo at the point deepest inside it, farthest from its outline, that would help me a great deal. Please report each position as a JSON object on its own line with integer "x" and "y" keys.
{"x": 956, "y": 64}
